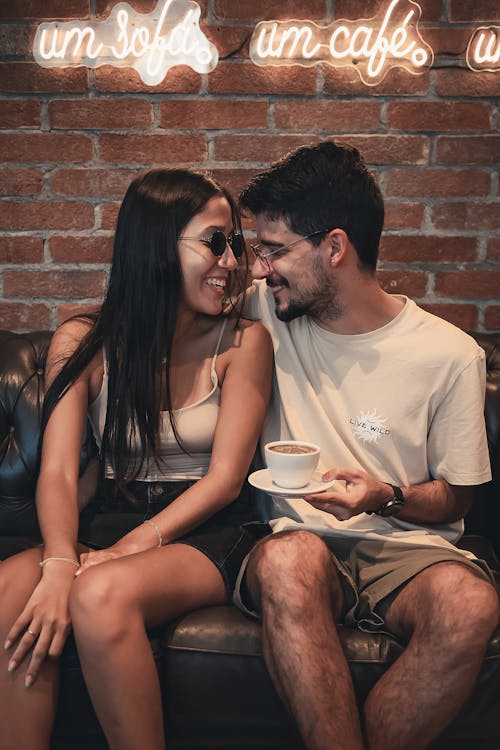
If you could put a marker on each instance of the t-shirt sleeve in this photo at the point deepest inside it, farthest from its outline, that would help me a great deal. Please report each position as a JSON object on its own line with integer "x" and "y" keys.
{"x": 457, "y": 445}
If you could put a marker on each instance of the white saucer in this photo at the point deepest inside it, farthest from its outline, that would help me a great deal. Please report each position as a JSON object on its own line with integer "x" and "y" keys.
{"x": 262, "y": 480}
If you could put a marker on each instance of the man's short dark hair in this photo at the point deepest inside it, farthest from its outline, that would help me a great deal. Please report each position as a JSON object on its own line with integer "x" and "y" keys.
{"x": 324, "y": 186}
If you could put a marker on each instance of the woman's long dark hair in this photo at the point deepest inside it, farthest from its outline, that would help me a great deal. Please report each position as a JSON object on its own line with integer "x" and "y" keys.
{"x": 136, "y": 322}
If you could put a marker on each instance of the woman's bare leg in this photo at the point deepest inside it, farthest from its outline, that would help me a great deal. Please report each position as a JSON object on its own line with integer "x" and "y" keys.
{"x": 30, "y": 711}
{"x": 111, "y": 606}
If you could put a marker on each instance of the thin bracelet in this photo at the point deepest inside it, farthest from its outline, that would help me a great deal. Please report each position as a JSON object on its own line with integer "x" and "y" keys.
{"x": 60, "y": 559}
{"x": 155, "y": 527}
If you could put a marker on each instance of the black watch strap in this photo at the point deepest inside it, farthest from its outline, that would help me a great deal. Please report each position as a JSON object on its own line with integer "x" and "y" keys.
{"x": 395, "y": 504}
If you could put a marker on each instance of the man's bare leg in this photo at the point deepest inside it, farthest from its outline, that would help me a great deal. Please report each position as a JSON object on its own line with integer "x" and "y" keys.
{"x": 448, "y": 614}
{"x": 293, "y": 580}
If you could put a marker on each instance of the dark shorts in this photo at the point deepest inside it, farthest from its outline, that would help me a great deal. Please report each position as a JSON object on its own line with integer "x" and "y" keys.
{"x": 226, "y": 538}
{"x": 372, "y": 573}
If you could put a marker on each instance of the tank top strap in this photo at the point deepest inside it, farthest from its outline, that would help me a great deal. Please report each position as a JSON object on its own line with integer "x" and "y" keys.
{"x": 219, "y": 339}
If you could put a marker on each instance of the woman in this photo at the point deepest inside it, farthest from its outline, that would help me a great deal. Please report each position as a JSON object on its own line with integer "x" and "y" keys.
{"x": 176, "y": 390}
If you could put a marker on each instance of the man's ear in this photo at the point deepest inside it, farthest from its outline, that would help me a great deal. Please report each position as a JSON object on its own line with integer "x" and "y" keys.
{"x": 338, "y": 246}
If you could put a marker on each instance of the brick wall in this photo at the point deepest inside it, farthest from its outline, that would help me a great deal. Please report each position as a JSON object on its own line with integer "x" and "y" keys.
{"x": 71, "y": 140}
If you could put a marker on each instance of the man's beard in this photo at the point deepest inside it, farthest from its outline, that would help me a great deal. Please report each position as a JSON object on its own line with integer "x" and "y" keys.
{"x": 319, "y": 301}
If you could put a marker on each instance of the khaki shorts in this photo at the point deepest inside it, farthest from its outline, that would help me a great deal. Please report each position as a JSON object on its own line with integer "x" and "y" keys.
{"x": 372, "y": 571}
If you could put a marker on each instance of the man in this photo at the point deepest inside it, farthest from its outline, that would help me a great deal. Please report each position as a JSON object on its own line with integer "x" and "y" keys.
{"x": 394, "y": 397}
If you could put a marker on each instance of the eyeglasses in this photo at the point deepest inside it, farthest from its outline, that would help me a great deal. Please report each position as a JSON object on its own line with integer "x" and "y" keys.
{"x": 263, "y": 257}
{"x": 218, "y": 243}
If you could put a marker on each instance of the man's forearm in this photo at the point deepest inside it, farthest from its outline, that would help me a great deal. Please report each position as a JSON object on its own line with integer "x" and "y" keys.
{"x": 436, "y": 502}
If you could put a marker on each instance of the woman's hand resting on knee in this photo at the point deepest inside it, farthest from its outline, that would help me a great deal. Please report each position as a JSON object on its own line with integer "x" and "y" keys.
{"x": 44, "y": 624}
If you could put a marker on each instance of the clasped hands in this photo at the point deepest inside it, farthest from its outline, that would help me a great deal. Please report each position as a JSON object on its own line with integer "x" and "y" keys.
{"x": 363, "y": 494}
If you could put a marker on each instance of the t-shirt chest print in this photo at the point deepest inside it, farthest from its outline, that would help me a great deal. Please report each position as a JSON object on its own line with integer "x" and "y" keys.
{"x": 369, "y": 426}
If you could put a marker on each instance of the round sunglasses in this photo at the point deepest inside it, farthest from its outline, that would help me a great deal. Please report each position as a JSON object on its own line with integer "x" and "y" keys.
{"x": 218, "y": 243}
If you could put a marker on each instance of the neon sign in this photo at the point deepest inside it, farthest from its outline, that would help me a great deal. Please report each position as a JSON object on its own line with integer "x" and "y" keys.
{"x": 151, "y": 43}
{"x": 483, "y": 50}
{"x": 371, "y": 46}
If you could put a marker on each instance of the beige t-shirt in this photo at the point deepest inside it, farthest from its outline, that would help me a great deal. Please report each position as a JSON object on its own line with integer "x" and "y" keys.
{"x": 404, "y": 403}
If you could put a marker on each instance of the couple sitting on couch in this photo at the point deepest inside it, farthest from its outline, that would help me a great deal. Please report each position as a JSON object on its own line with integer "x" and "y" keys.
{"x": 393, "y": 396}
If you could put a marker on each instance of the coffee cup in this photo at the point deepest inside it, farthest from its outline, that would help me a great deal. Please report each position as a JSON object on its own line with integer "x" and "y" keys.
{"x": 291, "y": 463}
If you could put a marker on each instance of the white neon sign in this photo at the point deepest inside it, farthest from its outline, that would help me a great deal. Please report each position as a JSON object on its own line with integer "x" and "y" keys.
{"x": 151, "y": 43}
{"x": 483, "y": 50}
{"x": 371, "y": 46}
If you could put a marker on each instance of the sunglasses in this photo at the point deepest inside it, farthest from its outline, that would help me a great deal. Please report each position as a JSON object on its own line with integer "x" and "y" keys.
{"x": 218, "y": 243}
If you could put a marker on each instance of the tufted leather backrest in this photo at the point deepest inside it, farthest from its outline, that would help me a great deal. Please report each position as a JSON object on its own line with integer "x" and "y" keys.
{"x": 22, "y": 361}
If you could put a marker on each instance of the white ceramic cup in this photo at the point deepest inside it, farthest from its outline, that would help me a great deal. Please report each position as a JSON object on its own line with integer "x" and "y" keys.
{"x": 291, "y": 469}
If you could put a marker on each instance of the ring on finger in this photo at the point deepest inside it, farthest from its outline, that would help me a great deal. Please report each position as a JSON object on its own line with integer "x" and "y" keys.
{"x": 32, "y": 634}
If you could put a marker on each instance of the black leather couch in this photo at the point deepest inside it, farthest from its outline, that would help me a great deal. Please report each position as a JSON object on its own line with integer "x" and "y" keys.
{"x": 216, "y": 688}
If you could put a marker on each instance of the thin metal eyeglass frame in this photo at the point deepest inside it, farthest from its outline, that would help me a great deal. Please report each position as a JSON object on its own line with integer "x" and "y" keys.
{"x": 263, "y": 257}
{"x": 228, "y": 241}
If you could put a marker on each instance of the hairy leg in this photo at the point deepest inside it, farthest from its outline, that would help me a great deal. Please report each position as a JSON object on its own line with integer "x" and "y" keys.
{"x": 111, "y": 605}
{"x": 294, "y": 582}
{"x": 448, "y": 614}
{"x": 30, "y": 711}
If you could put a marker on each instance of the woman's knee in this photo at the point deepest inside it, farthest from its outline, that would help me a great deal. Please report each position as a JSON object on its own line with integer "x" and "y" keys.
{"x": 98, "y": 605}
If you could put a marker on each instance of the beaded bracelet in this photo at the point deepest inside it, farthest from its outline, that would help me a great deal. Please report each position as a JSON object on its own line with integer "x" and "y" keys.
{"x": 60, "y": 559}
{"x": 155, "y": 527}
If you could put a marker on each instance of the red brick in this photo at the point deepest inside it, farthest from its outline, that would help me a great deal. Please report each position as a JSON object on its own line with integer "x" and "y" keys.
{"x": 445, "y": 40}
{"x": 19, "y": 316}
{"x": 19, "y": 113}
{"x": 462, "y": 316}
{"x": 104, "y": 7}
{"x": 52, "y": 283}
{"x": 468, "y": 149}
{"x": 431, "y": 182}
{"x": 400, "y": 215}
{"x": 328, "y": 116}
{"x": 263, "y": 10}
{"x": 20, "y": 249}
{"x": 396, "y": 82}
{"x": 231, "y": 41}
{"x": 466, "y": 83}
{"x": 30, "y": 78}
{"x": 40, "y": 148}
{"x": 46, "y": 215}
{"x": 257, "y": 148}
{"x": 151, "y": 149}
{"x": 493, "y": 252}
{"x": 354, "y": 9}
{"x": 412, "y": 283}
{"x": 466, "y": 216}
{"x": 439, "y": 116}
{"x": 391, "y": 149}
{"x": 21, "y": 181}
{"x": 101, "y": 114}
{"x": 234, "y": 179}
{"x": 92, "y": 182}
{"x": 68, "y": 310}
{"x": 424, "y": 249}
{"x": 88, "y": 249}
{"x": 492, "y": 318}
{"x": 179, "y": 80}
{"x": 44, "y": 9}
{"x": 468, "y": 284}
{"x": 214, "y": 114}
{"x": 247, "y": 78}
{"x": 16, "y": 40}
{"x": 474, "y": 10}
{"x": 109, "y": 215}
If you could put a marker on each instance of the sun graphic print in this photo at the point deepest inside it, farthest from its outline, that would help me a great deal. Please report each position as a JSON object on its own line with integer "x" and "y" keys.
{"x": 369, "y": 426}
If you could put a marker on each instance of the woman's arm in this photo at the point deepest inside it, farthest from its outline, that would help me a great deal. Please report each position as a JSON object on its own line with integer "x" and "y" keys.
{"x": 245, "y": 394}
{"x": 46, "y": 612}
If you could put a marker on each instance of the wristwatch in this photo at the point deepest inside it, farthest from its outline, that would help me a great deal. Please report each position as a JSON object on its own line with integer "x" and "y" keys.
{"x": 393, "y": 506}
